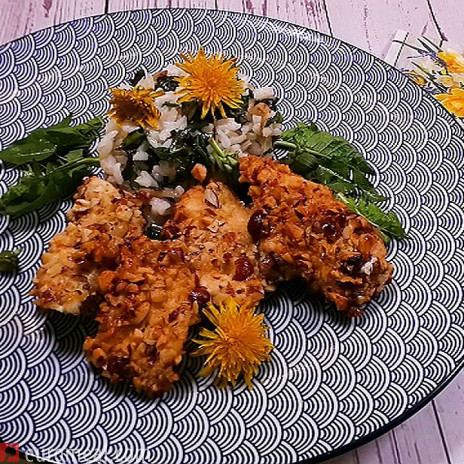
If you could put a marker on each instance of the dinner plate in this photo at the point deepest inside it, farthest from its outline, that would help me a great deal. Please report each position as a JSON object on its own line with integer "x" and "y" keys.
{"x": 333, "y": 383}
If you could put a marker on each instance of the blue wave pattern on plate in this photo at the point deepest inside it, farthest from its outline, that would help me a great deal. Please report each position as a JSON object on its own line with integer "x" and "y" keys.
{"x": 331, "y": 380}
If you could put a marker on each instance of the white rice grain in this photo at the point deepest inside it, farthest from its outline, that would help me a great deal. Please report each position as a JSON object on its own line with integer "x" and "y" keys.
{"x": 174, "y": 71}
{"x": 145, "y": 180}
{"x": 160, "y": 207}
{"x": 263, "y": 93}
{"x": 141, "y": 153}
{"x": 146, "y": 82}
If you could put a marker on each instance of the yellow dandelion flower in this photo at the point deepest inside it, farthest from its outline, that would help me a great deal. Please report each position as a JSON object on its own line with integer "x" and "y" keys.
{"x": 211, "y": 81}
{"x": 416, "y": 77}
{"x": 237, "y": 346}
{"x": 453, "y": 101}
{"x": 135, "y": 105}
{"x": 454, "y": 61}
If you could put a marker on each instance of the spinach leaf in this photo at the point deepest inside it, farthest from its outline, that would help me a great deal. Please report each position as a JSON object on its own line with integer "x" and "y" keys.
{"x": 43, "y": 144}
{"x": 54, "y": 159}
{"x": 9, "y": 261}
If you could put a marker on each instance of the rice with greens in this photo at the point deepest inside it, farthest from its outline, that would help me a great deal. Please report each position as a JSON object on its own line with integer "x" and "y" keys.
{"x": 187, "y": 124}
{"x": 161, "y": 156}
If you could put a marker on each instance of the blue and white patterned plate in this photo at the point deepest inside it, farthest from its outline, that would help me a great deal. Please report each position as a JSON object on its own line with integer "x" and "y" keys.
{"x": 333, "y": 382}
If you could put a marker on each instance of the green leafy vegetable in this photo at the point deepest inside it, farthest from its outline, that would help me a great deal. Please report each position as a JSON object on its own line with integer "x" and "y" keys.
{"x": 54, "y": 160}
{"x": 42, "y": 144}
{"x": 333, "y": 161}
{"x": 386, "y": 223}
{"x": 224, "y": 161}
{"x": 167, "y": 83}
{"x": 140, "y": 74}
{"x": 36, "y": 188}
{"x": 9, "y": 261}
{"x": 277, "y": 118}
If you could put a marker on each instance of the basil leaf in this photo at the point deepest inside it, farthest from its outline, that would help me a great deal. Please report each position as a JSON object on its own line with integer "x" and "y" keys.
{"x": 9, "y": 261}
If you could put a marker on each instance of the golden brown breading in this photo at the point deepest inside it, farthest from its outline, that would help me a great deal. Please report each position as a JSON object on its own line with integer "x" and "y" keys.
{"x": 212, "y": 223}
{"x": 152, "y": 299}
{"x": 146, "y": 316}
{"x": 303, "y": 230}
{"x": 100, "y": 220}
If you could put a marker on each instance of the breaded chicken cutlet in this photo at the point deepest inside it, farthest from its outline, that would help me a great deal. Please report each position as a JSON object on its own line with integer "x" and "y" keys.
{"x": 213, "y": 223}
{"x": 302, "y": 230}
{"x": 214, "y": 247}
{"x": 98, "y": 223}
{"x": 146, "y": 316}
{"x": 153, "y": 297}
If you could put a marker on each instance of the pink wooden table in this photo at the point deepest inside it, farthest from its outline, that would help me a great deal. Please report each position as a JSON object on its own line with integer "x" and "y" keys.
{"x": 436, "y": 434}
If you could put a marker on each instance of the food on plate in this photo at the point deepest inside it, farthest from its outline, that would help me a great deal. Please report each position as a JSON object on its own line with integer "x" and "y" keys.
{"x": 195, "y": 113}
{"x": 54, "y": 162}
{"x": 146, "y": 315}
{"x": 153, "y": 297}
{"x": 207, "y": 204}
{"x": 302, "y": 230}
{"x": 102, "y": 218}
{"x": 9, "y": 261}
{"x": 212, "y": 223}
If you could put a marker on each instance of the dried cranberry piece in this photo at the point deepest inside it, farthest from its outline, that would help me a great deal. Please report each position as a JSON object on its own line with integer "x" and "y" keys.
{"x": 200, "y": 295}
{"x": 243, "y": 269}
{"x": 255, "y": 225}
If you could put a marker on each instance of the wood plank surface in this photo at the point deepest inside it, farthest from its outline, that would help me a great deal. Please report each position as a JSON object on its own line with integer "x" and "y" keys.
{"x": 371, "y": 24}
{"x": 435, "y": 434}
{"x": 448, "y": 16}
{"x": 20, "y": 17}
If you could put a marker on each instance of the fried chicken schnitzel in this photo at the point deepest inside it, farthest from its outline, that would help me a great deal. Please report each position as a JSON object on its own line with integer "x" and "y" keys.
{"x": 99, "y": 222}
{"x": 212, "y": 223}
{"x": 153, "y": 297}
{"x": 146, "y": 316}
{"x": 214, "y": 247}
{"x": 302, "y": 230}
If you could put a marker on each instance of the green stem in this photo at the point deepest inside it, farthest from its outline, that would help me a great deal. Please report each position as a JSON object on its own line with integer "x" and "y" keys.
{"x": 216, "y": 148}
{"x": 284, "y": 145}
{"x": 83, "y": 162}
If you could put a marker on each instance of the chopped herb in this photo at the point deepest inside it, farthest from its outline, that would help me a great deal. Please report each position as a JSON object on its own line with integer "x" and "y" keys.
{"x": 134, "y": 140}
{"x": 225, "y": 161}
{"x": 171, "y": 105}
{"x": 140, "y": 74}
{"x": 9, "y": 261}
{"x": 240, "y": 114}
{"x": 167, "y": 83}
{"x": 276, "y": 119}
{"x": 153, "y": 231}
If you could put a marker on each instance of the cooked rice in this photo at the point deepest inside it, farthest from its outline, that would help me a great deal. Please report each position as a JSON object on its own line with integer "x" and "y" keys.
{"x": 255, "y": 137}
